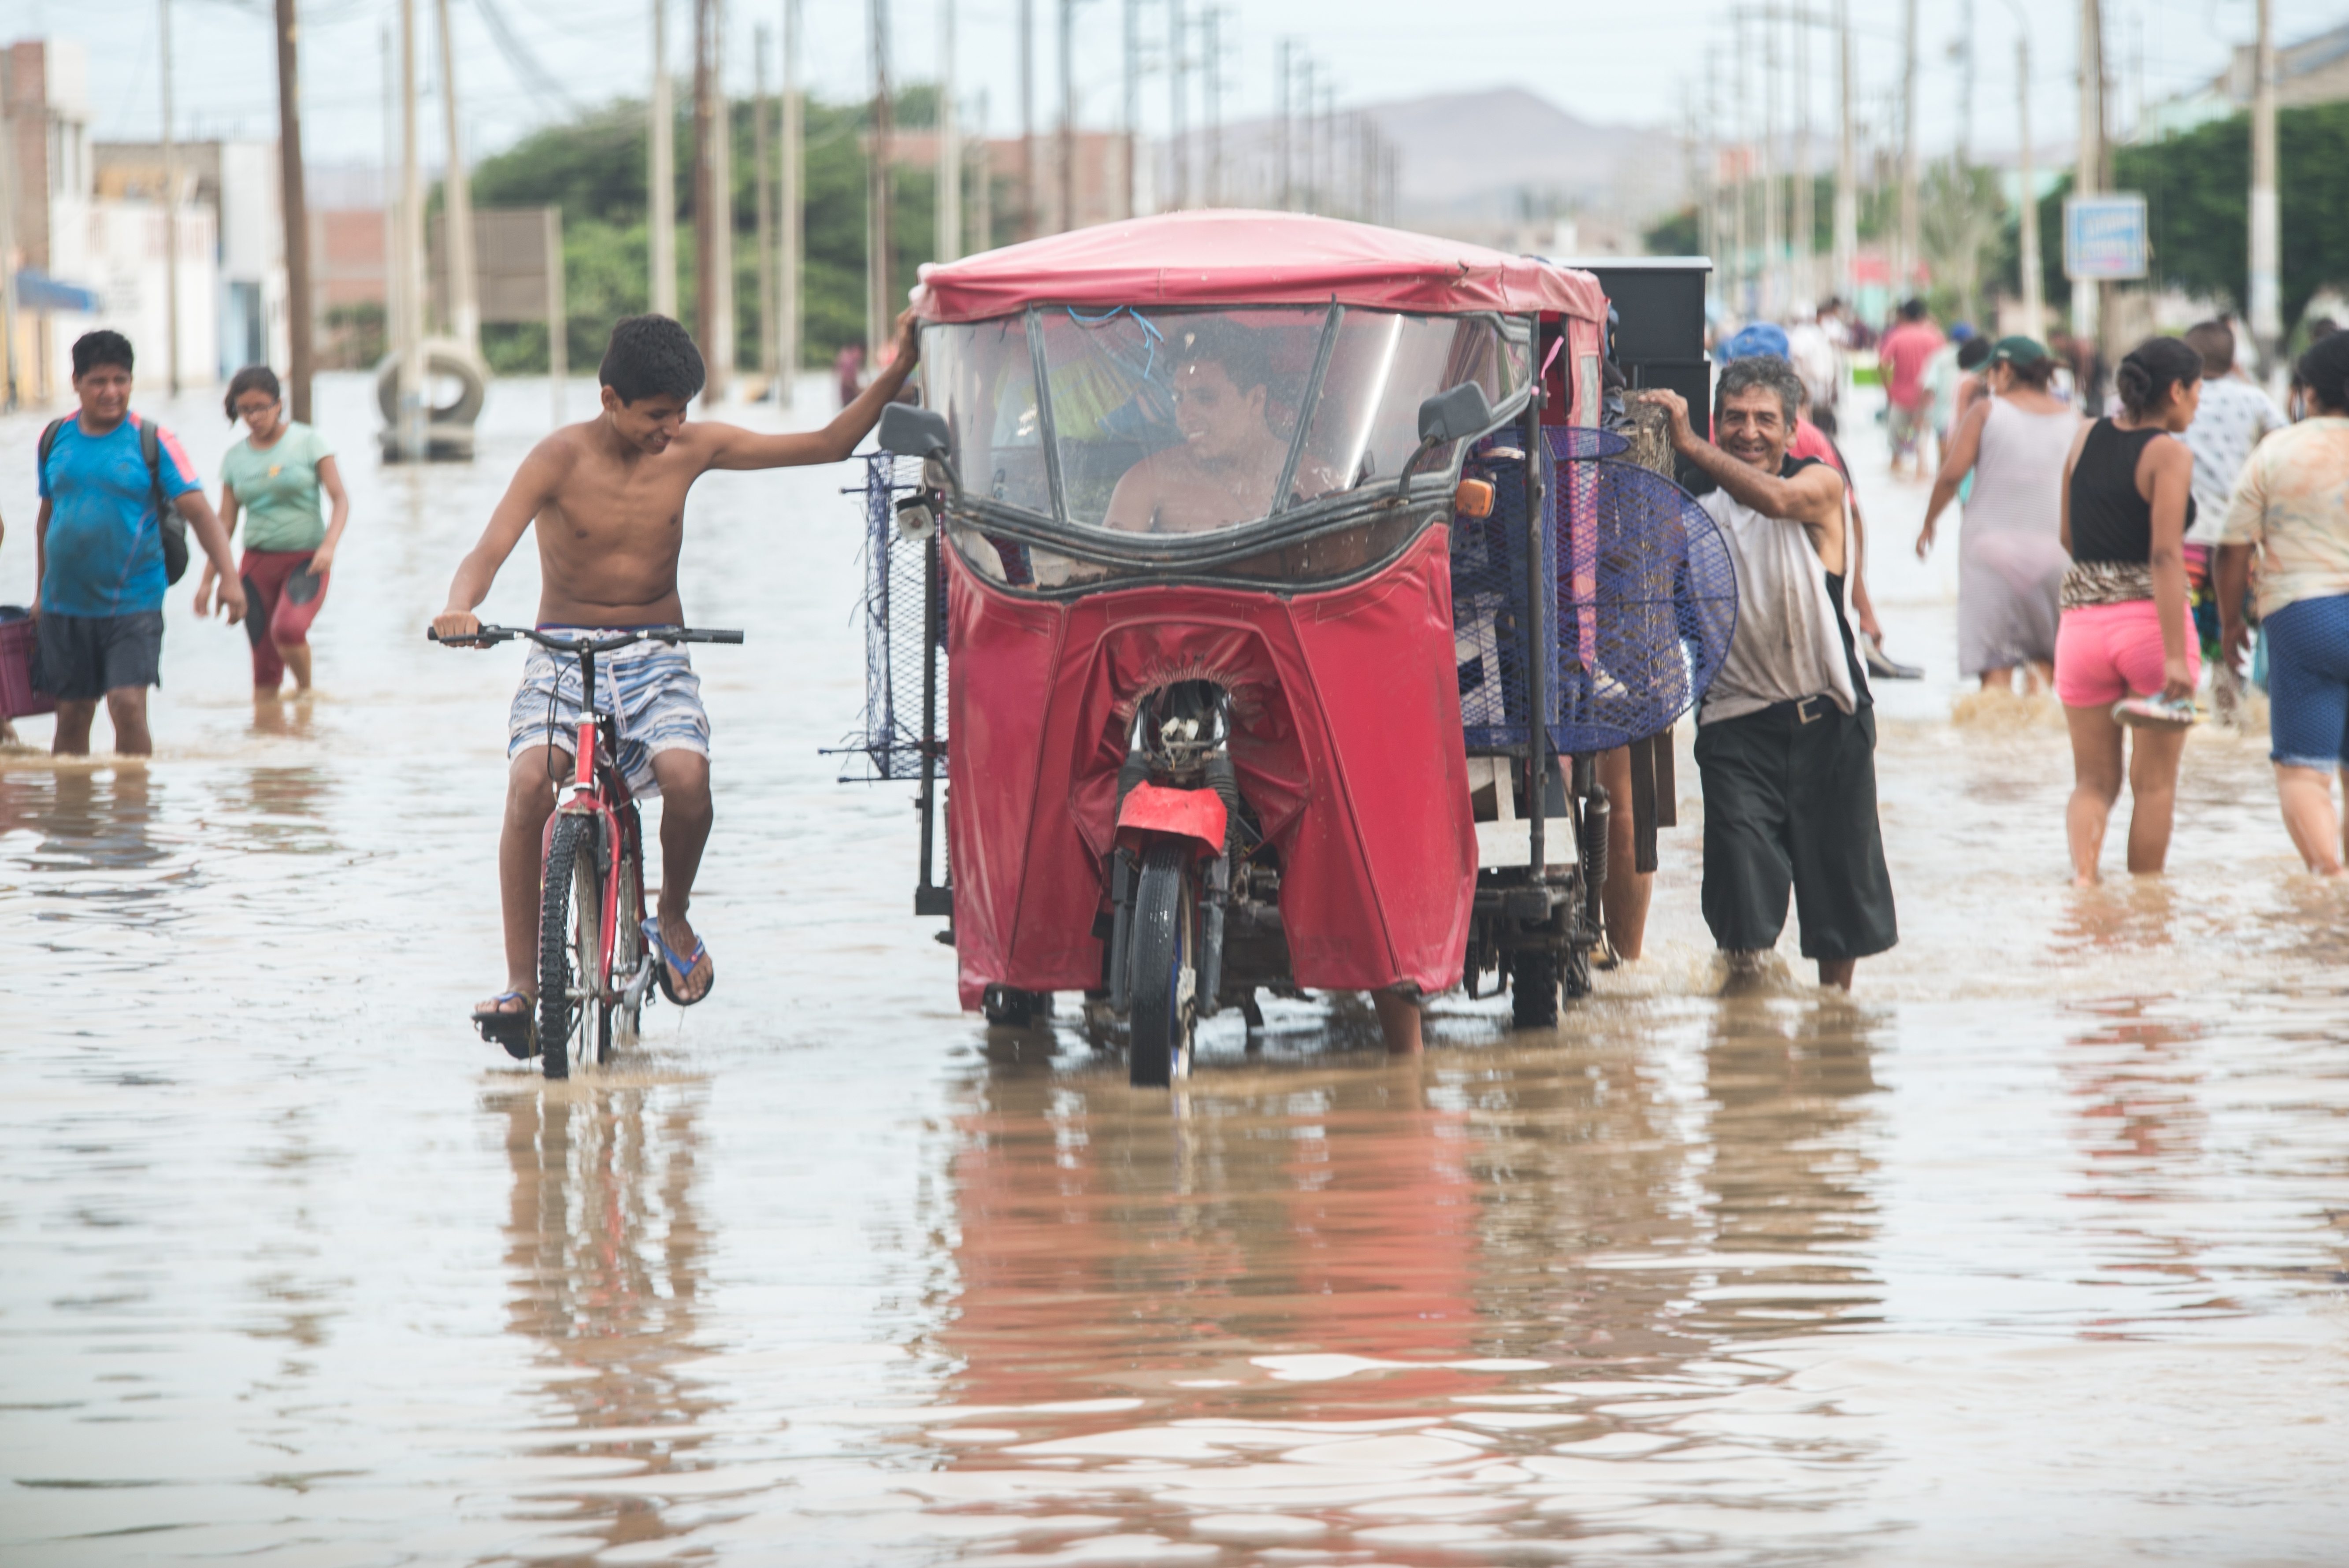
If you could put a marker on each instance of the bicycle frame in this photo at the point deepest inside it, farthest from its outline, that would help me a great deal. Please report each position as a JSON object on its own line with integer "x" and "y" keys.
{"x": 599, "y": 790}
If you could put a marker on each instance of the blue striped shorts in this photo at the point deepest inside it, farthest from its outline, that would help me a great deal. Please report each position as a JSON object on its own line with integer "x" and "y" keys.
{"x": 651, "y": 688}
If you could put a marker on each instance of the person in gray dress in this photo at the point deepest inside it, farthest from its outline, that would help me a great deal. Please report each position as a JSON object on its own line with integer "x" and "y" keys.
{"x": 2010, "y": 559}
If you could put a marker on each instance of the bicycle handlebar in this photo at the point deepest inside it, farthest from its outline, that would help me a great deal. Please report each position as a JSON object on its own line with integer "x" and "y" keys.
{"x": 602, "y": 644}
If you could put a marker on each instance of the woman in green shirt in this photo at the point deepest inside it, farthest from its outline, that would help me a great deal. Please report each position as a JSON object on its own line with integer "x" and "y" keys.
{"x": 275, "y": 475}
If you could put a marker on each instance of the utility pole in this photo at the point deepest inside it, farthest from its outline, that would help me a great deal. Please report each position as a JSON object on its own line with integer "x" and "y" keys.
{"x": 2035, "y": 305}
{"x": 1910, "y": 259}
{"x": 1027, "y": 228}
{"x": 410, "y": 440}
{"x": 1132, "y": 102}
{"x": 982, "y": 174}
{"x": 1178, "y": 137}
{"x": 2266, "y": 224}
{"x": 1807, "y": 217}
{"x": 1212, "y": 48}
{"x": 1286, "y": 70}
{"x": 764, "y": 205}
{"x": 1741, "y": 302}
{"x": 1966, "y": 88}
{"x": 1310, "y": 198}
{"x": 878, "y": 192}
{"x": 792, "y": 213}
{"x": 662, "y": 186}
{"x": 295, "y": 217}
{"x": 2088, "y": 178}
{"x": 170, "y": 212}
{"x": 713, "y": 206}
{"x": 456, "y": 205}
{"x": 1847, "y": 190}
{"x": 946, "y": 238}
{"x": 1068, "y": 170}
{"x": 1773, "y": 206}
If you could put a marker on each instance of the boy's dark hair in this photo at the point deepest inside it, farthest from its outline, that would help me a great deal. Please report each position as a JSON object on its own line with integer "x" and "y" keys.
{"x": 2215, "y": 342}
{"x": 2325, "y": 371}
{"x": 1767, "y": 370}
{"x": 104, "y": 346}
{"x": 651, "y": 357}
{"x": 1912, "y": 309}
{"x": 251, "y": 379}
{"x": 1973, "y": 353}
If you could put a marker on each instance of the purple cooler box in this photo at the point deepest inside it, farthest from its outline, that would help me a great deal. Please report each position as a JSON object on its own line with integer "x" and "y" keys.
{"x": 17, "y": 697}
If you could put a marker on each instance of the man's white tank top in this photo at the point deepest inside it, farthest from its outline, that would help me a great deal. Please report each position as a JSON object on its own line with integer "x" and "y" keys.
{"x": 1789, "y": 639}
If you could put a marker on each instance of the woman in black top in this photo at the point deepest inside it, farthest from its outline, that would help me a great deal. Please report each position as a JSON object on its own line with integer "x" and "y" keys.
{"x": 2128, "y": 503}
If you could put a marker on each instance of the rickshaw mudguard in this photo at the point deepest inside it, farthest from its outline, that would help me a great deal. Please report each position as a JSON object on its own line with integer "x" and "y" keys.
{"x": 1347, "y": 745}
{"x": 1195, "y": 814}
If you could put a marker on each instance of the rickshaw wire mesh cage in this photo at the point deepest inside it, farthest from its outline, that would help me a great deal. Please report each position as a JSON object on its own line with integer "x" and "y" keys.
{"x": 1647, "y": 597}
{"x": 888, "y": 738}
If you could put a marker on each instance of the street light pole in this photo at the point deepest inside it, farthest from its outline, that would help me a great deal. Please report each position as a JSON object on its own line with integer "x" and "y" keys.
{"x": 1846, "y": 192}
{"x": 2266, "y": 237}
{"x": 295, "y": 218}
{"x": 171, "y": 213}
{"x": 2034, "y": 304}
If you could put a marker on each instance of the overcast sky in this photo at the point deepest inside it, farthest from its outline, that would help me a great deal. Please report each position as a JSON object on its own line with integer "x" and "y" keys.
{"x": 1607, "y": 62}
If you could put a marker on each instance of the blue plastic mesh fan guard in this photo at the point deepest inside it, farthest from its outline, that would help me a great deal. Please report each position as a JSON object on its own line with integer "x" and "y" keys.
{"x": 1647, "y": 604}
{"x": 1647, "y": 598}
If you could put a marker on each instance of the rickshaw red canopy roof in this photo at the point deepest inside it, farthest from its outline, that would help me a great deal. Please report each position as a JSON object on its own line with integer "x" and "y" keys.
{"x": 1242, "y": 258}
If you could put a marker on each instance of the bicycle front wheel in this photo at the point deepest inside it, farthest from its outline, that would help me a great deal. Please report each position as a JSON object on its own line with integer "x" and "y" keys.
{"x": 570, "y": 946}
{"x": 620, "y": 1017}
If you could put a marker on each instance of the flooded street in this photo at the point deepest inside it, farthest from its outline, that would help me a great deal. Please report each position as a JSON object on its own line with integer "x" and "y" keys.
{"x": 2032, "y": 1252}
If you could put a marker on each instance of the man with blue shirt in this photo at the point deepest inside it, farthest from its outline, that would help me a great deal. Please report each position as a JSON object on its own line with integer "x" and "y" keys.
{"x": 99, "y": 544}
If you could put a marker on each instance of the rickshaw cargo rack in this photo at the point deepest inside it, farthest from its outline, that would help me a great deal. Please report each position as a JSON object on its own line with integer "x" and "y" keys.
{"x": 1249, "y": 600}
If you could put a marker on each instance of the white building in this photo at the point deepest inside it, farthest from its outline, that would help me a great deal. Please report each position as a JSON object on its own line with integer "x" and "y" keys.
{"x": 76, "y": 256}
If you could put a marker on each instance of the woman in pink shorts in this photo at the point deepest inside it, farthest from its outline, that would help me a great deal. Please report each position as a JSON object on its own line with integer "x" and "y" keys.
{"x": 2126, "y": 630}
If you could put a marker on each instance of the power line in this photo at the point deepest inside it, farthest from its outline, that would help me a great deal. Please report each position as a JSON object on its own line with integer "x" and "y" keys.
{"x": 535, "y": 79}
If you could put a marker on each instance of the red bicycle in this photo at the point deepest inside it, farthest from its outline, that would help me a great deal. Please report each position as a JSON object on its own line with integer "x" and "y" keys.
{"x": 594, "y": 969}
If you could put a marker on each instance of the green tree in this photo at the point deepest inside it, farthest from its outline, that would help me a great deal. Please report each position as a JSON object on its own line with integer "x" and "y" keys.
{"x": 1677, "y": 234}
{"x": 595, "y": 169}
{"x": 2197, "y": 190}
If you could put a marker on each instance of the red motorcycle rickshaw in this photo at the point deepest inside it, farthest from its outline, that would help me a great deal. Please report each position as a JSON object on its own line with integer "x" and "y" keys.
{"x": 1238, "y": 536}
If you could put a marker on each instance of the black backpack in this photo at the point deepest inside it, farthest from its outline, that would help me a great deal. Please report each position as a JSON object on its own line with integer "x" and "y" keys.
{"x": 173, "y": 526}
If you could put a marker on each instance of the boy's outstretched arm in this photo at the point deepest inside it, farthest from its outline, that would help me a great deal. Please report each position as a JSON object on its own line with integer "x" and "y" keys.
{"x": 739, "y": 448}
{"x": 532, "y": 487}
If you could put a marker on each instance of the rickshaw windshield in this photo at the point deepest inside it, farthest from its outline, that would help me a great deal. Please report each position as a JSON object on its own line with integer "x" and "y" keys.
{"x": 1173, "y": 422}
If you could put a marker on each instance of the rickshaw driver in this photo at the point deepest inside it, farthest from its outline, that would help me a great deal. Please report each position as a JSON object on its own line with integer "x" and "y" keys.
{"x": 1224, "y": 473}
{"x": 608, "y": 499}
{"x": 1229, "y": 463}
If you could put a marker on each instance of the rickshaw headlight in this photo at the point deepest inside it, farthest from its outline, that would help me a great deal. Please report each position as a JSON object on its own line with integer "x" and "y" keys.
{"x": 1472, "y": 499}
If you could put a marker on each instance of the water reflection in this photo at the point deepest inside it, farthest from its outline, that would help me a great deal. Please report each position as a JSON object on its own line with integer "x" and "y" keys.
{"x": 95, "y": 840}
{"x": 1506, "y": 1275}
{"x": 608, "y": 1258}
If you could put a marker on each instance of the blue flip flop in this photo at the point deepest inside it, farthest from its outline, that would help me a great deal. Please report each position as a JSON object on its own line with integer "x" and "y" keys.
{"x": 685, "y": 965}
{"x": 516, "y": 1032}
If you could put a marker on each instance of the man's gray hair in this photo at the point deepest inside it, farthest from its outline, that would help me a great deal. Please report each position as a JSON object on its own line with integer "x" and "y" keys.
{"x": 1761, "y": 370}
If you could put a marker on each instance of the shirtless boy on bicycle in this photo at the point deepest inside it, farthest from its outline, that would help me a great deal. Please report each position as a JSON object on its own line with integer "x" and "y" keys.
{"x": 608, "y": 497}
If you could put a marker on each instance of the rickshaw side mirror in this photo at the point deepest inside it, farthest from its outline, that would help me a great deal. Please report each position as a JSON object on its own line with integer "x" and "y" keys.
{"x": 910, "y": 432}
{"x": 1455, "y": 415}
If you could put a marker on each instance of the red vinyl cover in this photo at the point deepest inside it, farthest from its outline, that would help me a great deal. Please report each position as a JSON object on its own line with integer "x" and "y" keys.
{"x": 1346, "y": 740}
{"x": 1220, "y": 257}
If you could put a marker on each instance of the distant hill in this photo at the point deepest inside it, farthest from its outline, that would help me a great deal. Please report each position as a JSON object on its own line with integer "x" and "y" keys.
{"x": 1476, "y": 159}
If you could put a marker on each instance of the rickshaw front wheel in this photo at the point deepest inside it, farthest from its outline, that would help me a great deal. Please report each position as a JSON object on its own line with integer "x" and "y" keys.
{"x": 1164, "y": 968}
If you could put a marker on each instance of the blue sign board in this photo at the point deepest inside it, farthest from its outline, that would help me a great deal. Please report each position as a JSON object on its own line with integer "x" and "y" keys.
{"x": 2105, "y": 236}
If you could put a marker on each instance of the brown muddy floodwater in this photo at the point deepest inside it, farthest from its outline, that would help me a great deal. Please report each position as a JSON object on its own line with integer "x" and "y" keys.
{"x": 2030, "y": 1252}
